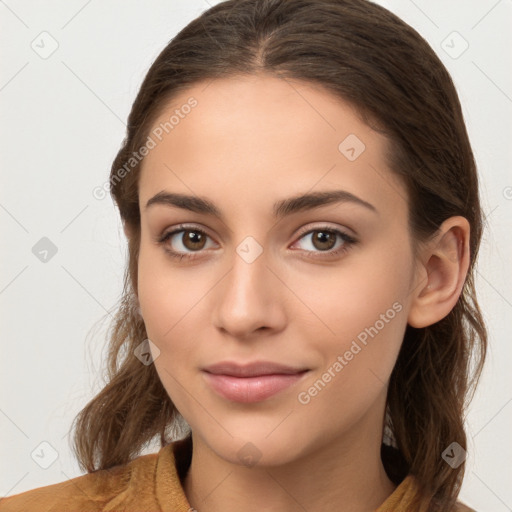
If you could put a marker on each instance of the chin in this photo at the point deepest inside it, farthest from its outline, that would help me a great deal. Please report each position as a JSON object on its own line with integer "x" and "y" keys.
{"x": 252, "y": 446}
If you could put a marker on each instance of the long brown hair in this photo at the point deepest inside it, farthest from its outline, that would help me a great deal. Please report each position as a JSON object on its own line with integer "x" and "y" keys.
{"x": 367, "y": 56}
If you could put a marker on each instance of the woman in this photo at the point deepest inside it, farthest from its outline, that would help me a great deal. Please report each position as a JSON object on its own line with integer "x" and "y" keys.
{"x": 302, "y": 211}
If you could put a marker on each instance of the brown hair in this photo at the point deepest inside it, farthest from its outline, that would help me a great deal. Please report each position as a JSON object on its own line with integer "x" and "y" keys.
{"x": 366, "y": 56}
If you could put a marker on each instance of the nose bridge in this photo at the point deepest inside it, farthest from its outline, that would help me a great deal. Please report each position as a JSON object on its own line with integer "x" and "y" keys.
{"x": 248, "y": 297}
{"x": 249, "y": 275}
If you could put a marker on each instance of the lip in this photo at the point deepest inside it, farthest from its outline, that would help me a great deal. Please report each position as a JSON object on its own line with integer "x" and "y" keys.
{"x": 253, "y": 382}
{"x": 253, "y": 369}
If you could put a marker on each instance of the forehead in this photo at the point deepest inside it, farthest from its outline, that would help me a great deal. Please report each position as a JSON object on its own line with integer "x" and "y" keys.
{"x": 264, "y": 137}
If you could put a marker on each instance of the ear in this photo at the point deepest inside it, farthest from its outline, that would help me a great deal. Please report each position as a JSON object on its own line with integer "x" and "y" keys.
{"x": 441, "y": 273}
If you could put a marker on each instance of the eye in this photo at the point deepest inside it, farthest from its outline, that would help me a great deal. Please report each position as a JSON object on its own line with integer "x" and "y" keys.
{"x": 322, "y": 240}
{"x": 184, "y": 238}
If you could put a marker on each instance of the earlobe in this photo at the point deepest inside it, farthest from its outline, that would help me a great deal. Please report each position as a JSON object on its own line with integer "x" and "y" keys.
{"x": 447, "y": 263}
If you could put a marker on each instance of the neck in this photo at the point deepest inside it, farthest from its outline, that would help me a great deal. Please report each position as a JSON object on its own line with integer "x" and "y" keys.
{"x": 345, "y": 474}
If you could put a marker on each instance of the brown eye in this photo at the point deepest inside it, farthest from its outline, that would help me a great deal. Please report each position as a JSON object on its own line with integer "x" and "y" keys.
{"x": 323, "y": 240}
{"x": 190, "y": 242}
{"x": 184, "y": 242}
{"x": 193, "y": 240}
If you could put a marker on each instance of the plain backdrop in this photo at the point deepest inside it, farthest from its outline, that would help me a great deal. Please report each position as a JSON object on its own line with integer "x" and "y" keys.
{"x": 69, "y": 74}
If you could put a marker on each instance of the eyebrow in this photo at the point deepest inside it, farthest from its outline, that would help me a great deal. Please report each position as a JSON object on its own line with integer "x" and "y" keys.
{"x": 280, "y": 209}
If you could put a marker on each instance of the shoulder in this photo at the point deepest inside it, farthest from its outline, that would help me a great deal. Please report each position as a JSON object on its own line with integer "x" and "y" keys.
{"x": 404, "y": 495}
{"x": 91, "y": 492}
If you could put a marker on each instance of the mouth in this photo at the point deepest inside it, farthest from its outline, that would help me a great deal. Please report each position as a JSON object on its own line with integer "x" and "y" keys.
{"x": 254, "y": 382}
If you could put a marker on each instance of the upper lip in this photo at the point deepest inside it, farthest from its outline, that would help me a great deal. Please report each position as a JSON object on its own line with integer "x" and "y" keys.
{"x": 251, "y": 369}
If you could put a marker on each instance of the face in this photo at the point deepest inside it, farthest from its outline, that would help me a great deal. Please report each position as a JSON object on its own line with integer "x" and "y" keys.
{"x": 319, "y": 286}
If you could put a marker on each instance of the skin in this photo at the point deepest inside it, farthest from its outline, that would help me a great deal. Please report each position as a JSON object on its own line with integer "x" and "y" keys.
{"x": 249, "y": 142}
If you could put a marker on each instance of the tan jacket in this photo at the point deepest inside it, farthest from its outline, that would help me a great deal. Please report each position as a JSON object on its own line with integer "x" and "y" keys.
{"x": 149, "y": 483}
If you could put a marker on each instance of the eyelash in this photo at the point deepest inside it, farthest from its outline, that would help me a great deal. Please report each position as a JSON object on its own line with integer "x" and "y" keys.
{"x": 348, "y": 240}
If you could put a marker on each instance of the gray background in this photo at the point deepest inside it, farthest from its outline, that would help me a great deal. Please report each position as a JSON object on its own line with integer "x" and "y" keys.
{"x": 63, "y": 119}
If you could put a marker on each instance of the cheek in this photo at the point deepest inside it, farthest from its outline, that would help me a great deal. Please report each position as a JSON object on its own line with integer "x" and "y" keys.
{"x": 360, "y": 314}
{"x": 164, "y": 305}
{"x": 354, "y": 297}
{"x": 357, "y": 359}
{"x": 170, "y": 302}
{"x": 167, "y": 295}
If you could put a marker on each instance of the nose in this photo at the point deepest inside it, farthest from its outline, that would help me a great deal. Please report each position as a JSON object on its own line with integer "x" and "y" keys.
{"x": 250, "y": 298}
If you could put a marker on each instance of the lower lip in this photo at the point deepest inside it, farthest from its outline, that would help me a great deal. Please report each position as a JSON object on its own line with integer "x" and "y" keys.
{"x": 251, "y": 389}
